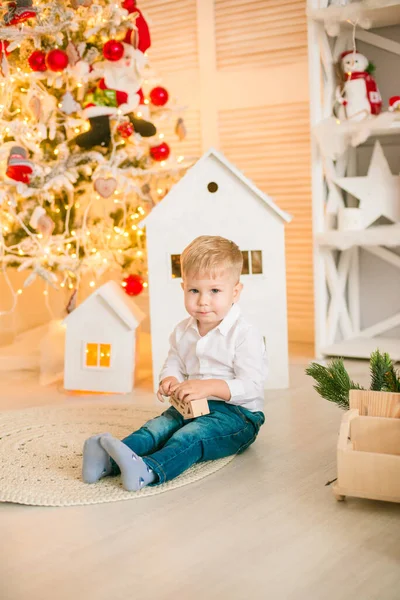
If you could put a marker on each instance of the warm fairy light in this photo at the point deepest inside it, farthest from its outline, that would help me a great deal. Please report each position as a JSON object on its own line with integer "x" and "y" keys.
{"x": 92, "y": 284}
{"x": 145, "y": 284}
{"x": 139, "y": 115}
{"x": 139, "y": 253}
{"x": 77, "y": 130}
{"x": 140, "y": 232}
{"x": 45, "y": 293}
{"x": 40, "y": 236}
{"x": 180, "y": 159}
{"x": 73, "y": 255}
{"x": 134, "y": 227}
{"x": 19, "y": 292}
{"x": 161, "y": 136}
{"x": 94, "y": 250}
{"x": 70, "y": 286}
{"x": 146, "y": 101}
{"x": 162, "y": 163}
{"x": 62, "y": 285}
{"x": 159, "y": 191}
{"x": 56, "y": 151}
{"x": 73, "y": 233}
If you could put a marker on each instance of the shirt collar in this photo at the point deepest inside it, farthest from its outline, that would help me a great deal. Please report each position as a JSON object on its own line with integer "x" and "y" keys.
{"x": 225, "y": 325}
{"x": 230, "y": 319}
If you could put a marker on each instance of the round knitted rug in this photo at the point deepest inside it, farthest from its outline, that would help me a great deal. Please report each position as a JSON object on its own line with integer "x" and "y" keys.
{"x": 41, "y": 455}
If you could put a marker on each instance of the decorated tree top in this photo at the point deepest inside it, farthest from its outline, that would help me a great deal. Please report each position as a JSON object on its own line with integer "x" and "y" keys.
{"x": 82, "y": 149}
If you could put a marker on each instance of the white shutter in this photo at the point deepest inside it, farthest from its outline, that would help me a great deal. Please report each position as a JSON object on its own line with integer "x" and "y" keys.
{"x": 260, "y": 33}
{"x": 241, "y": 68}
{"x": 173, "y": 31}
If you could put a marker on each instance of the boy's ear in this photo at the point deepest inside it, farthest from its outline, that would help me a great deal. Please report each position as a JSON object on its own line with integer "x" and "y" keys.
{"x": 237, "y": 291}
{"x": 182, "y": 285}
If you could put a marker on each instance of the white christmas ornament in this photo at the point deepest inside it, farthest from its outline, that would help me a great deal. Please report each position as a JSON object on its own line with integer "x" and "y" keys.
{"x": 359, "y": 96}
{"x": 378, "y": 192}
{"x": 69, "y": 105}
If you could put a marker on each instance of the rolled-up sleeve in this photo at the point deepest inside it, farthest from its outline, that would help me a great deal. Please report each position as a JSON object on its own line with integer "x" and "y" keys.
{"x": 250, "y": 368}
{"x": 173, "y": 366}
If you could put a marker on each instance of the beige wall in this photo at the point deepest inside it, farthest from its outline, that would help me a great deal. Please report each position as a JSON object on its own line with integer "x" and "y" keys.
{"x": 240, "y": 66}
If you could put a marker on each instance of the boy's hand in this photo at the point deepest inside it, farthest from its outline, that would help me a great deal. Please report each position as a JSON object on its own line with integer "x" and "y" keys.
{"x": 165, "y": 387}
{"x": 192, "y": 389}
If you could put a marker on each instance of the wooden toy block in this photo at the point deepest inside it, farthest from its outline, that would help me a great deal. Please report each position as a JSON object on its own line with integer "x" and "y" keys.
{"x": 190, "y": 410}
{"x": 368, "y": 458}
{"x": 375, "y": 404}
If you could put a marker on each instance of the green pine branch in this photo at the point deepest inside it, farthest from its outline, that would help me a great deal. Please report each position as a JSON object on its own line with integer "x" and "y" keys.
{"x": 333, "y": 382}
{"x": 384, "y": 377}
{"x": 380, "y": 365}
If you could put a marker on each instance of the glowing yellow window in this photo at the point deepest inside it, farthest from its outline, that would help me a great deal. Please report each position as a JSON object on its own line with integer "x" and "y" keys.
{"x": 105, "y": 355}
{"x": 98, "y": 355}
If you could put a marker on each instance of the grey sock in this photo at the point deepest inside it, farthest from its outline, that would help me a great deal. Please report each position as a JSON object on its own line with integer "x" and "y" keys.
{"x": 134, "y": 471}
{"x": 96, "y": 462}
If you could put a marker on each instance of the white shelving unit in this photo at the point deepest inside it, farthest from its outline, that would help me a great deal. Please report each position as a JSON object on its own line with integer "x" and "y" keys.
{"x": 339, "y": 326}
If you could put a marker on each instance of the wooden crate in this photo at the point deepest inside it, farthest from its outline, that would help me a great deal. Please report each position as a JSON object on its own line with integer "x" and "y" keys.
{"x": 375, "y": 404}
{"x": 368, "y": 457}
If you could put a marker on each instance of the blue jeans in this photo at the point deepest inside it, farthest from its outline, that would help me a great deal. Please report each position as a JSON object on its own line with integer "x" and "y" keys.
{"x": 169, "y": 444}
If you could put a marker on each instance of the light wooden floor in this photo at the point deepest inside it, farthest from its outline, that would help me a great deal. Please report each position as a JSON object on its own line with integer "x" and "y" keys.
{"x": 266, "y": 526}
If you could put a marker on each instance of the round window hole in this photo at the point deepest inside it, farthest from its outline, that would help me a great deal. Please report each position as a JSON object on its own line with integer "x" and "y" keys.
{"x": 212, "y": 187}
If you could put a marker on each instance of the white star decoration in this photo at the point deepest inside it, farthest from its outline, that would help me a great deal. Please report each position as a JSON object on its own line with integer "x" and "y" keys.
{"x": 378, "y": 192}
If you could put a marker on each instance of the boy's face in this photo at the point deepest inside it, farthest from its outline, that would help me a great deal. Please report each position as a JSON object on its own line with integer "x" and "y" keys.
{"x": 208, "y": 299}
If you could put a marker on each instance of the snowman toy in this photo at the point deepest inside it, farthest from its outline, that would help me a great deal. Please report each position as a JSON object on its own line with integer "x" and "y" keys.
{"x": 359, "y": 96}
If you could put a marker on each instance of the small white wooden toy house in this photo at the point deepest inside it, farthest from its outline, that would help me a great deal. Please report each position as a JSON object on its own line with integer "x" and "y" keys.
{"x": 100, "y": 342}
{"x": 215, "y": 198}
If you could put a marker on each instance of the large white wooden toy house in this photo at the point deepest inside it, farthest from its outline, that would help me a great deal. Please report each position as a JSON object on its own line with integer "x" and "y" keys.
{"x": 100, "y": 342}
{"x": 215, "y": 198}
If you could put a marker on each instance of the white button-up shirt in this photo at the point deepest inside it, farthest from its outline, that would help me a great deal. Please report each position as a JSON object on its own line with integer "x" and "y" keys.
{"x": 234, "y": 351}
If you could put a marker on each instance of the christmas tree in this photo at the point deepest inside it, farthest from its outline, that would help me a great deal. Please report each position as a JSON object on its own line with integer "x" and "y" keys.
{"x": 82, "y": 155}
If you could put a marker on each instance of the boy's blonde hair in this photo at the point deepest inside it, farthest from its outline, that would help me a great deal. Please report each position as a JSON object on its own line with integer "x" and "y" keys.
{"x": 211, "y": 254}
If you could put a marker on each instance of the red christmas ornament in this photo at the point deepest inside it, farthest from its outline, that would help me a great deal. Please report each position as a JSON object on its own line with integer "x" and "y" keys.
{"x": 37, "y": 61}
{"x": 57, "y": 60}
{"x": 125, "y": 129}
{"x": 160, "y": 152}
{"x": 159, "y": 96}
{"x": 113, "y": 50}
{"x": 133, "y": 285}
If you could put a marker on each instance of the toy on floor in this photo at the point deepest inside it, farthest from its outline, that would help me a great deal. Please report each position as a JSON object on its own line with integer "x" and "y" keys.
{"x": 368, "y": 450}
{"x": 192, "y": 409}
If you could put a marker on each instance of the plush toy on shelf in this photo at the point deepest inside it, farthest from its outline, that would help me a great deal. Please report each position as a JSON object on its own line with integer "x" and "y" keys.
{"x": 358, "y": 96}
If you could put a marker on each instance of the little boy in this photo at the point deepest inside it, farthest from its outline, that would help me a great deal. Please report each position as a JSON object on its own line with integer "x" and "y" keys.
{"x": 214, "y": 354}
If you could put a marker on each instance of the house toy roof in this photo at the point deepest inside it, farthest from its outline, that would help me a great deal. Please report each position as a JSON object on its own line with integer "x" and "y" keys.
{"x": 235, "y": 171}
{"x": 115, "y": 299}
